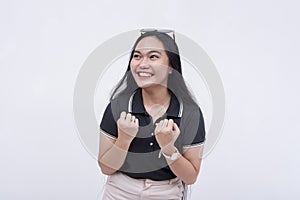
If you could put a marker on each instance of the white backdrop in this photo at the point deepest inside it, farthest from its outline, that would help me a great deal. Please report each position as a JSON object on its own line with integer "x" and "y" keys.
{"x": 254, "y": 45}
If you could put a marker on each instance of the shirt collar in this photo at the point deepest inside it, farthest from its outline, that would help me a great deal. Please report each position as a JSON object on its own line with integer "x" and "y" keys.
{"x": 135, "y": 104}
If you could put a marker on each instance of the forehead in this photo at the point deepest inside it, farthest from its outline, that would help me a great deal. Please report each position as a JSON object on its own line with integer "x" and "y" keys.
{"x": 150, "y": 43}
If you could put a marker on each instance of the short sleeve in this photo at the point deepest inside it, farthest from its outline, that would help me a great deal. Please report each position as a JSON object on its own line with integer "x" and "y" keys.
{"x": 194, "y": 129}
{"x": 108, "y": 125}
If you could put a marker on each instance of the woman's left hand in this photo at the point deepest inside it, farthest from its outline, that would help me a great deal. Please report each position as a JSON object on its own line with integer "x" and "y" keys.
{"x": 166, "y": 133}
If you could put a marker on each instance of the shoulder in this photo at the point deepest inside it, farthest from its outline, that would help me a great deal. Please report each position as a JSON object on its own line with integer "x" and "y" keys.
{"x": 191, "y": 111}
{"x": 192, "y": 120}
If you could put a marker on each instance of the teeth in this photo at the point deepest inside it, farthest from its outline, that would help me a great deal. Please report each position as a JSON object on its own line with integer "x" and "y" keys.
{"x": 144, "y": 74}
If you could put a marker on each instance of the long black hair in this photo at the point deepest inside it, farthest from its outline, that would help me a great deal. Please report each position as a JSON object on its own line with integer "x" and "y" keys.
{"x": 176, "y": 83}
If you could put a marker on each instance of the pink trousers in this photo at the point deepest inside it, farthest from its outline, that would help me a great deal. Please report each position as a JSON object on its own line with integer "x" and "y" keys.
{"x": 122, "y": 187}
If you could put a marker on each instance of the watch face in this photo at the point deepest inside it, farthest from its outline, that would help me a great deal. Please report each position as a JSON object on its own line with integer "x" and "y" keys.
{"x": 174, "y": 156}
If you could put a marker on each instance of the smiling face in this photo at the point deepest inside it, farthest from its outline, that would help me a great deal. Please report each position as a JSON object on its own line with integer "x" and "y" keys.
{"x": 150, "y": 64}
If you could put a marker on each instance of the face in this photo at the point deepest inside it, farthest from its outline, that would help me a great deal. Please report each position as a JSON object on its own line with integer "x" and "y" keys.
{"x": 150, "y": 63}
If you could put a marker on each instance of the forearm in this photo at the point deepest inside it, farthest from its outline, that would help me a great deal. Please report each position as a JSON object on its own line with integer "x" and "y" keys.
{"x": 113, "y": 159}
{"x": 184, "y": 168}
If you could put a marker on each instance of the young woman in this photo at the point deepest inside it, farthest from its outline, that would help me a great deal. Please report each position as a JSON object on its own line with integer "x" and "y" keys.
{"x": 152, "y": 131}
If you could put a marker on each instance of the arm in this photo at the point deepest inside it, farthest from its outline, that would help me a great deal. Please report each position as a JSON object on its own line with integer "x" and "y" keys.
{"x": 112, "y": 152}
{"x": 187, "y": 166}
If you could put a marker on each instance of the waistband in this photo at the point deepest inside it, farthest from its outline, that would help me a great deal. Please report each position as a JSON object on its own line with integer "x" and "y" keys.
{"x": 152, "y": 182}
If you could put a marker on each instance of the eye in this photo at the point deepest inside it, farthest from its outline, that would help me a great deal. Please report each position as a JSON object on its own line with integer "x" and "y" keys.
{"x": 154, "y": 57}
{"x": 136, "y": 56}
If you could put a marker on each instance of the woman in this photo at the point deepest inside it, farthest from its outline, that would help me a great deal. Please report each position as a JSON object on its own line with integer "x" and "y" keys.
{"x": 152, "y": 131}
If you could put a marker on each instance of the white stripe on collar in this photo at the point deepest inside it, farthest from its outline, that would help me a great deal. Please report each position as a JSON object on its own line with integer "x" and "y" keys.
{"x": 130, "y": 102}
{"x": 180, "y": 108}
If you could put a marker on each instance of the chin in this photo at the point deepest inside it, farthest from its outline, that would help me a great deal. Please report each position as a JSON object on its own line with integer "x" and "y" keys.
{"x": 146, "y": 85}
{"x": 149, "y": 85}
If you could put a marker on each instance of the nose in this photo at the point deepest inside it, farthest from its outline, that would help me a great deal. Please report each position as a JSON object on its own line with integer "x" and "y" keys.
{"x": 144, "y": 63}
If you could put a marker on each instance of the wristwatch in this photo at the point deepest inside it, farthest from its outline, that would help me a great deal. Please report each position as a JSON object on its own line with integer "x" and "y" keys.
{"x": 173, "y": 156}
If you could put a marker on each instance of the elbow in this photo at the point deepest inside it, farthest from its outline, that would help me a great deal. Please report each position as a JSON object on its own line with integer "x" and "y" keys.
{"x": 105, "y": 170}
{"x": 191, "y": 180}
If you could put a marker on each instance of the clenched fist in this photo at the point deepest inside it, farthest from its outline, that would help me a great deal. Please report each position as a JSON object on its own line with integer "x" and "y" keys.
{"x": 128, "y": 126}
{"x": 166, "y": 133}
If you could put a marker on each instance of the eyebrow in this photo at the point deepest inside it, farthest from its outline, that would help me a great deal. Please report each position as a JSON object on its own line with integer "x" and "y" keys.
{"x": 149, "y": 52}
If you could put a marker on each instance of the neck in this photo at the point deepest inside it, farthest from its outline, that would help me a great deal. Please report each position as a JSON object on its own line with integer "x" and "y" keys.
{"x": 158, "y": 95}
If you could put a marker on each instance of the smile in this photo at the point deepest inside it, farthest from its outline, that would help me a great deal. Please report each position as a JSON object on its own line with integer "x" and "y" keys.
{"x": 144, "y": 74}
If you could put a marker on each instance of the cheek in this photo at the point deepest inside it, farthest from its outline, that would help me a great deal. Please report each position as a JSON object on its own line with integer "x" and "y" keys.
{"x": 163, "y": 69}
{"x": 132, "y": 67}
{"x": 133, "y": 64}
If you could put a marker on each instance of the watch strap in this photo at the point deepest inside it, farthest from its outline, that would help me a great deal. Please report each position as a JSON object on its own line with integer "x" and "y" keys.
{"x": 173, "y": 156}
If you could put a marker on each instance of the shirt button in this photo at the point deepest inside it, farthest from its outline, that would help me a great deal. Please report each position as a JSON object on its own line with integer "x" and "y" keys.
{"x": 151, "y": 143}
{"x": 152, "y": 133}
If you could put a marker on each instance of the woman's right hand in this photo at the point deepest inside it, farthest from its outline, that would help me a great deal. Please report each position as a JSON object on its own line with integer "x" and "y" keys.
{"x": 128, "y": 126}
